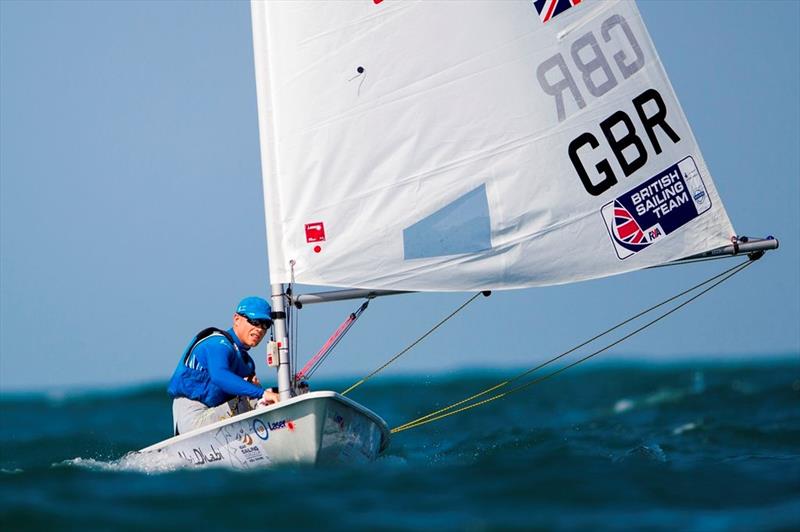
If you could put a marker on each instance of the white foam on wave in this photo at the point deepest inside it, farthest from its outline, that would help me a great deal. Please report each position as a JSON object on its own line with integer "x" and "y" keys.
{"x": 686, "y": 427}
{"x": 623, "y": 405}
{"x": 150, "y": 463}
{"x": 662, "y": 396}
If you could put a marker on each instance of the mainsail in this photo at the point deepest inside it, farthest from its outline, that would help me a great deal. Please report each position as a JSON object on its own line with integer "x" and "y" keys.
{"x": 472, "y": 145}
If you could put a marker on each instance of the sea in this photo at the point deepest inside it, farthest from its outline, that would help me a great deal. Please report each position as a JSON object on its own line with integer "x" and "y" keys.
{"x": 706, "y": 446}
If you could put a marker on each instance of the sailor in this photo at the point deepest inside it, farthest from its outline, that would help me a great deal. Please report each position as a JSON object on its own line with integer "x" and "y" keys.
{"x": 216, "y": 372}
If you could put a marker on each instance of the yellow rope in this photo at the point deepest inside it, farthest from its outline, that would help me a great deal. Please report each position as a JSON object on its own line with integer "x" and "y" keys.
{"x": 442, "y": 413}
{"x": 540, "y": 366}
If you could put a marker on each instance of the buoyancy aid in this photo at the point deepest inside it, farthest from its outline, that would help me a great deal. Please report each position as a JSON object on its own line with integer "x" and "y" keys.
{"x": 193, "y": 381}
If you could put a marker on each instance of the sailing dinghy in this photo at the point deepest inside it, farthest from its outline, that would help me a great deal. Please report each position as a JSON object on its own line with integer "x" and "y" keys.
{"x": 455, "y": 146}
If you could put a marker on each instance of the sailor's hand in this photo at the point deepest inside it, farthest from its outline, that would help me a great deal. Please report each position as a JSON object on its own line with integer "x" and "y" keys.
{"x": 269, "y": 397}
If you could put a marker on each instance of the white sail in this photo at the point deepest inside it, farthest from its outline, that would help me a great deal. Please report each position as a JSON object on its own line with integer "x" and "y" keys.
{"x": 472, "y": 145}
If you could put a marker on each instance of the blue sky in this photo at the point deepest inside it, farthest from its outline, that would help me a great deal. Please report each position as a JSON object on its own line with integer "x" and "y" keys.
{"x": 131, "y": 213}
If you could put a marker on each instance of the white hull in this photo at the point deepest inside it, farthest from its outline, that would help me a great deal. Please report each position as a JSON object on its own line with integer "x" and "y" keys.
{"x": 316, "y": 428}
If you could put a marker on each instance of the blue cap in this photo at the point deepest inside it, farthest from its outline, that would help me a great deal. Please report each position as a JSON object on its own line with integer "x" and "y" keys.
{"x": 254, "y": 308}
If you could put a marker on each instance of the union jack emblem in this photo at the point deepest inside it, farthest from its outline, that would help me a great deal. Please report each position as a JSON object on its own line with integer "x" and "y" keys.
{"x": 548, "y": 9}
{"x": 626, "y": 228}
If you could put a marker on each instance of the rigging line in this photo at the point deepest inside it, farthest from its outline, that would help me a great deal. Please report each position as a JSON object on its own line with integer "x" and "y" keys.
{"x": 329, "y": 346}
{"x": 415, "y": 342}
{"x": 335, "y": 343}
{"x": 295, "y": 338}
{"x": 433, "y": 417}
{"x": 296, "y": 317}
{"x": 692, "y": 261}
{"x": 573, "y": 349}
{"x": 289, "y": 324}
{"x": 414, "y": 424}
{"x": 323, "y": 353}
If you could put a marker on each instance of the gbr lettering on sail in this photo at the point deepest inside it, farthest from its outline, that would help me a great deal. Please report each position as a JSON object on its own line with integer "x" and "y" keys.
{"x": 599, "y": 61}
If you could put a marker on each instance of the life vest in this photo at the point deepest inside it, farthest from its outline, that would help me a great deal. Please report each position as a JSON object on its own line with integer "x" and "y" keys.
{"x": 188, "y": 354}
{"x": 192, "y": 380}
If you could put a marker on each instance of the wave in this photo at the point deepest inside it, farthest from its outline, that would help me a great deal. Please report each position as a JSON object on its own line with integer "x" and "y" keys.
{"x": 618, "y": 370}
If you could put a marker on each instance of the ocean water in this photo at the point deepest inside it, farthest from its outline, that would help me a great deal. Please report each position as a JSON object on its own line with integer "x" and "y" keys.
{"x": 696, "y": 446}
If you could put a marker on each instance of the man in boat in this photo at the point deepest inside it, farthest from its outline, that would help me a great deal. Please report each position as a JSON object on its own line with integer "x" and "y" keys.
{"x": 216, "y": 371}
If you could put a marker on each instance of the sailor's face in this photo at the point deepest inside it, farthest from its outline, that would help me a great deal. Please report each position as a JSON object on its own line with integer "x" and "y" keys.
{"x": 249, "y": 333}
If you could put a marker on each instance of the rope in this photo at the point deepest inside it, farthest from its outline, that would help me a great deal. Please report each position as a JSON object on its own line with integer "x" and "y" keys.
{"x": 565, "y": 353}
{"x": 691, "y": 261}
{"x": 294, "y": 324}
{"x": 328, "y": 347}
{"x": 442, "y": 413}
{"x": 415, "y": 342}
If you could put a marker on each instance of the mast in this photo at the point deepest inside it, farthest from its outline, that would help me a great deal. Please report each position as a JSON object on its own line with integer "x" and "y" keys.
{"x": 266, "y": 121}
{"x": 282, "y": 337}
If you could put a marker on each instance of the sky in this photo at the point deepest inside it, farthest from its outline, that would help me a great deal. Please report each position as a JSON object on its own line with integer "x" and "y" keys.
{"x": 131, "y": 211}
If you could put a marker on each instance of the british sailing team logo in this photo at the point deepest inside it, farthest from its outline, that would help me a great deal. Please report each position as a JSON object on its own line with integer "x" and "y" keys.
{"x": 627, "y": 230}
{"x": 548, "y": 9}
{"x": 656, "y": 208}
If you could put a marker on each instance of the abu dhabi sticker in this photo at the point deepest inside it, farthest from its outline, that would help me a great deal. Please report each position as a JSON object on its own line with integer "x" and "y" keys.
{"x": 662, "y": 204}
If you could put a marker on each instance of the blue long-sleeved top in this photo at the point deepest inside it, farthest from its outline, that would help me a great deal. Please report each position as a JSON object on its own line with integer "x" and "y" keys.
{"x": 214, "y": 372}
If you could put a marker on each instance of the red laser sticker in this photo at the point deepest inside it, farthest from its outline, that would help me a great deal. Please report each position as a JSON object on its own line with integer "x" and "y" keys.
{"x": 315, "y": 232}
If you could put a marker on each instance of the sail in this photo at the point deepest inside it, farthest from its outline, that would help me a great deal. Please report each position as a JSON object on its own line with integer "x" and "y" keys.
{"x": 472, "y": 145}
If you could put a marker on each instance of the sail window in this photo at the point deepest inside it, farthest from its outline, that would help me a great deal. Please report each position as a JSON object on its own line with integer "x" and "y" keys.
{"x": 462, "y": 226}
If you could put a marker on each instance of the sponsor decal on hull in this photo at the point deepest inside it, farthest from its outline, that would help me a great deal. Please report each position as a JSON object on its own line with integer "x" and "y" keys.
{"x": 200, "y": 456}
{"x": 260, "y": 429}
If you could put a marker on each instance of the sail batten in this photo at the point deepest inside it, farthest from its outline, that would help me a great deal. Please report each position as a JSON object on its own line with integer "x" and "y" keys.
{"x": 446, "y": 146}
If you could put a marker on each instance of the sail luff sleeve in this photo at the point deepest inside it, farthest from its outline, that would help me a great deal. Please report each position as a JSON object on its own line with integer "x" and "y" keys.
{"x": 268, "y": 135}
